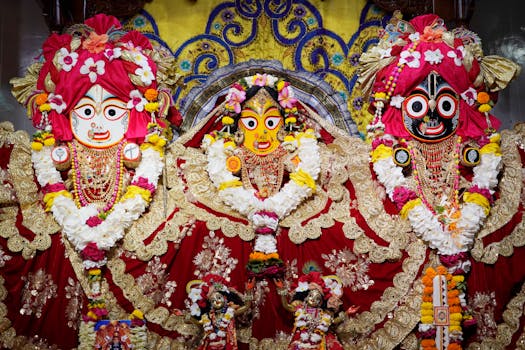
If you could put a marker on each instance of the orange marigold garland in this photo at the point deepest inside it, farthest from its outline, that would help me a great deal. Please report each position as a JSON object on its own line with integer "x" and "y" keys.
{"x": 444, "y": 311}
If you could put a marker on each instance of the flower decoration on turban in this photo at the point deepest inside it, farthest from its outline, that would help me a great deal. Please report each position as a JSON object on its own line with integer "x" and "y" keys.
{"x": 408, "y": 52}
{"x": 329, "y": 286}
{"x": 199, "y": 292}
{"x": 96, "y": 52}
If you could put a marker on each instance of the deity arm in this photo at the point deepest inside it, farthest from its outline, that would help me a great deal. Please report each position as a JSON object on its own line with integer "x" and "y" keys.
{"x": 282, "y": 293}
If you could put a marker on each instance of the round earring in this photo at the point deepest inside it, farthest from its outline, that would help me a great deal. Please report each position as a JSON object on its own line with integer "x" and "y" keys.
{"x": 238, "y": 137}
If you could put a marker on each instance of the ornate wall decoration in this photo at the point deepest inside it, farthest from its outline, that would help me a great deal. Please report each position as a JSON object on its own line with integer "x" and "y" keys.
{"x": 292, "y": 32}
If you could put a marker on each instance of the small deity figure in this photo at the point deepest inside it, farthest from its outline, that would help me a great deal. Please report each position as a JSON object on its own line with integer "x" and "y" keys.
{"x": 213, "y": 306}
{"x": 315, "y": 303}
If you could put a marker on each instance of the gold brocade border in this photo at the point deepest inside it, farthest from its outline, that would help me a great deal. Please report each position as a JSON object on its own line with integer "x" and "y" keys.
{"x": 507, "y": 329}
{"x": 35, "y": 218}
{"x": 401, "y": 302}
{"x": 510, "y": 185}
{"x": 506, "y": 207}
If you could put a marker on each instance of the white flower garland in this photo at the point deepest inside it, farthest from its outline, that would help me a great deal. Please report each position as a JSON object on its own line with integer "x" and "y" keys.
{"x": 303, "y": 323}
{"x": 222, "y": 325}
{"x": 426, "y": 224}
{"x": 73, "y": 219}
{"x": 244, "y": 200}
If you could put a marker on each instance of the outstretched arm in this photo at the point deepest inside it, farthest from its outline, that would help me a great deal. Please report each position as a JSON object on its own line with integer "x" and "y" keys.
{"x": 248, "y": 298}
{"x": 282, "y": 293}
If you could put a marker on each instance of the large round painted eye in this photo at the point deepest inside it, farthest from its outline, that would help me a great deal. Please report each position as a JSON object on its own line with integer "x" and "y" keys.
{"x": 447, "y": 106}
{"x": 113, "y": 112}
{"x": 85, "y": 111}
{"x": 249, "y": 123}
{"x": 272, "y": 122}
{"x": 416, "y": 106}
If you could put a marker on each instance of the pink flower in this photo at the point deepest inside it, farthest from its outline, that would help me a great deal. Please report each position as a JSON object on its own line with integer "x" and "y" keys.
{"x": 378, "y": 141}
{"x": 93, "y": 221}
{"x": 136, "y": 101}
{"x": 260, "y": 79}
{"x": 453, "y": 260}
{"x": 57, "y": 187}
{"x": 482, "y": 191}
{"x": 56, "y": 102}
{"x": 142, "y": 182}
{"x": 402, "y": 195}
{"x": 235, "y": 98}
{"x": 92, "y": 252}
{"x": 286, "y": 98}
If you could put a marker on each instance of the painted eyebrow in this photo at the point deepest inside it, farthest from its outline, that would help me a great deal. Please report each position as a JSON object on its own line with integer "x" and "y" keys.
{"x": 106, "y": 95}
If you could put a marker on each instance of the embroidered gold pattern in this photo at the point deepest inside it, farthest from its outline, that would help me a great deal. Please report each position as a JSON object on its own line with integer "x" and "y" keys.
{"x": 155, "y": 282}
{"x": 352, "y": 269}
{"x": 482, "y": 306}
{"x": 38, "y": 289}
{"x": 20, "y": 171}
{"x": 215, "y": 257}
{"x": 75, "y": 294}
{"x": 3, "y": 256}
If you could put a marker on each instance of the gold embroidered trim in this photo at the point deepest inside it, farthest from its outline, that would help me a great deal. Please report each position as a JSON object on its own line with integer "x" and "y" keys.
{"x": 507, "y": 329}
{"x": 506, "y": 207}
{"x": 35, "y": 219}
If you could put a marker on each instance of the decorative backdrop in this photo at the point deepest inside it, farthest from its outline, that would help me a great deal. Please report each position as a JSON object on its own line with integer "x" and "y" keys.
{"x": 325, "y": 38}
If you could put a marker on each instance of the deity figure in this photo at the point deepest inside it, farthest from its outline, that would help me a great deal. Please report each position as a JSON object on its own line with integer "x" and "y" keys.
{"x": 100, "y": 113}
{"x": 214, "y": 306}
{"x": 438, "y": 154}
{"x": 315, "y": 303}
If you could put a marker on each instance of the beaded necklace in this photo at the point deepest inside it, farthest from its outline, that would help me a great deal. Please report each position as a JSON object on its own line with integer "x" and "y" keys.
{"x": 97, "y": 175}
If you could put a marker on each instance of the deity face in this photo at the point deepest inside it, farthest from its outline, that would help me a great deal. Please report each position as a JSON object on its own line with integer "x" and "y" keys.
{"x": 314, "y": 298}
{"x": 260, "y": 122}
{"x": 217, "y": 300}
{"x": 431, "y": 111}
{"x": 99, "y": 119}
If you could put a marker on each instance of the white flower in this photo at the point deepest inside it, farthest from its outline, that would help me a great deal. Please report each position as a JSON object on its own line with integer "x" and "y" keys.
{"x": 302, "y": 287}
{"x": 136, "y": 101}
{"x": 195, "y": 294}
{"x": 93, "y": 69}
{"x": 433, "y": 57}
{"x": 265, "y": 244}
{"x": 67, "y": 59}
{"x": 113, "y": 53}
{"x": 411, "y": 59}
{"x": 140, "y": 60}
{"x": 195, "y": 310}
{"x": 396, "y": 101}
{"x": 457, "y": 55}
{"x": 56, "y": 102}
{"x": 145, "y": 74}
{"x": 414, "y": 37}
{"x": 470, "y": 95}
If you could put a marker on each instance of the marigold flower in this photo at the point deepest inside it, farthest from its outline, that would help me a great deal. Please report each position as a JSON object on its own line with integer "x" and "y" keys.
{"x": 454, "y": 346}
{"x": 40, "y": 99}
{"x": 151, "y": 94}
{"x": 227, "y": 120}
{"x": 458, "y": 278}
{"x": 46, "y": 107}
{"x": 483, "y": 97}
{"x": 428, "y": 290}
{"x": 233, "y": 164}
{"x": 442, "y": 270}
{"x": 428, "y": 342}
{"x": 484, "y": 108}
{"x": 427, "y": 319}
{"x": 137, "y": 314}
{"x": 49, "y": 141}
{"x": 151, "y": 107}
{"x": 37, "y": 146}
{"x": 290, "y": 120}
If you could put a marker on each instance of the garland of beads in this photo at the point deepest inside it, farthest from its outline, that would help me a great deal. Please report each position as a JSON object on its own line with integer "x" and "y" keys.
{"x": 419, "y": 188}
{"x": 80, "y": 199}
